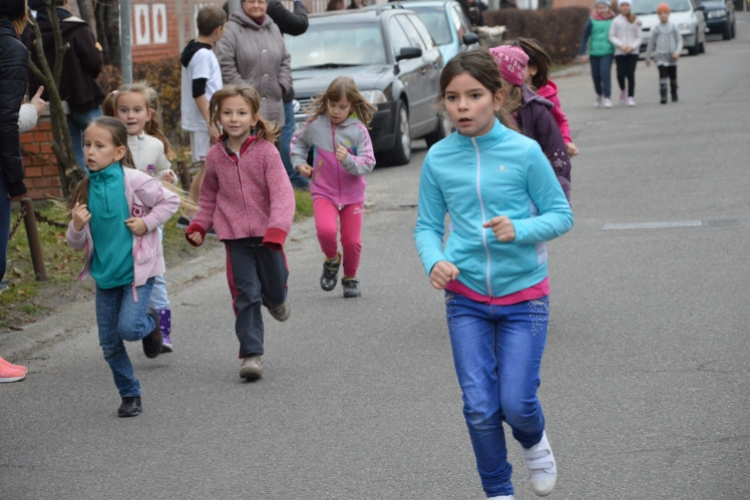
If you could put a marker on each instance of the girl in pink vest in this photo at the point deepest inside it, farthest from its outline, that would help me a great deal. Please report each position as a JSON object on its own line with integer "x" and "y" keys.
{"x": 247, "y": 198}
{"x": 337, "y": 130}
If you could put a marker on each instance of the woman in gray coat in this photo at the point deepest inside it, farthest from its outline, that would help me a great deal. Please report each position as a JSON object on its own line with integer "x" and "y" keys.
{"x": 252, "y": 51}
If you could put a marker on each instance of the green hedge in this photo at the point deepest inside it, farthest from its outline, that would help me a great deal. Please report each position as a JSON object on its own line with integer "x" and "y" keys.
{"x": 164, "y": 75}
{"x": 559, "y": 30}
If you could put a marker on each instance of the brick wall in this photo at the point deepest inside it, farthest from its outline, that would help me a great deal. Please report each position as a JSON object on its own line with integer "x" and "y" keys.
{"x": 42, "y": 179}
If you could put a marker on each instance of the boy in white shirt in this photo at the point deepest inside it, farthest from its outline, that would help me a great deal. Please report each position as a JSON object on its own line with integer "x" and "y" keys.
{"x": 201, "y": 77}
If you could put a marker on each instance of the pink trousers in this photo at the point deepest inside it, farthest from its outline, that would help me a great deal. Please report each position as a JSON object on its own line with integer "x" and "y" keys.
{"x": 327, "y": 216}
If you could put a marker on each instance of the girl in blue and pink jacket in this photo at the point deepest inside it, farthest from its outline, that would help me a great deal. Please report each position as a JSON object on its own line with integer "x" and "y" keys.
{"x": 343, "y": 154}
{"x": 116, "y": 212}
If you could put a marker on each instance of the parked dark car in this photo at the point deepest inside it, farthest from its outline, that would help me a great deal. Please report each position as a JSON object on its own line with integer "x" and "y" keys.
{"x": 720, "y": 17}
{"x": 393, "y": 60}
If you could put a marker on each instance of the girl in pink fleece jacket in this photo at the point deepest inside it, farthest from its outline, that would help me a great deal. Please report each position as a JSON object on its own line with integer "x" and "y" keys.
{"x": 337, "y": 130}
{"x": 247, "y": 198}
{"x": 537, "y": 77}
{"x": 116, "y": 212}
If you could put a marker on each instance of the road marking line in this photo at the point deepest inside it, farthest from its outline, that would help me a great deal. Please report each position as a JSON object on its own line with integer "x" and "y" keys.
{"x": 625, "y": 226}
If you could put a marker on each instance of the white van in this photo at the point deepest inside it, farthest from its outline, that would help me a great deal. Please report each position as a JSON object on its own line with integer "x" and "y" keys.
{"x": 686, "y": 14}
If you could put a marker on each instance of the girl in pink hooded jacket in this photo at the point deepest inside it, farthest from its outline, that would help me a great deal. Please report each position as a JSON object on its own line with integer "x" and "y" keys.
{"x": 537, "y": 77}
{"x": 116, "y": 212}
{"x": 337, "y": 130}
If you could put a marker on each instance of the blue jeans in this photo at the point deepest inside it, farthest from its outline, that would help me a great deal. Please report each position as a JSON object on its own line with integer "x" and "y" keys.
{"x": 601, "y": 73}
{"x": 497, "y": 351}
{"x": 159, "y": 295}
{"x": 4, "y": 224}
{"x": 120, "y": 318}
{"x": 287, "y": 133}
{"x": 77, "y": 123}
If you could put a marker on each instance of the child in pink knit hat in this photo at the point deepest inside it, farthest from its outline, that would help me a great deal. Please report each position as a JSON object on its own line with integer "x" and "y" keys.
{"x": 532, "y": 113}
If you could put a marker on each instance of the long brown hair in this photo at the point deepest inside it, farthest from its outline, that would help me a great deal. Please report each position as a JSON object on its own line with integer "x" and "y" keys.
{"x": 480, "y": 65}
{"x": 23, "y": 20}
{"x": 343, "y": 87}
{"x": 119, "y": 138}
{"x": 538, "y": 58}
{"x": 263, "y": 129}
{"x": 154, "y": 125}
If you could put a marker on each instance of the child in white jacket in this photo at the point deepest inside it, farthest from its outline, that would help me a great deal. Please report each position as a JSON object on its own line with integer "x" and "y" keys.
{"x": 625, "y": 35}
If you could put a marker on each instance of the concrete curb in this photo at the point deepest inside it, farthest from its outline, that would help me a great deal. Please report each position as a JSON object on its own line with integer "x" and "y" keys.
{"x": 79, "y": 317}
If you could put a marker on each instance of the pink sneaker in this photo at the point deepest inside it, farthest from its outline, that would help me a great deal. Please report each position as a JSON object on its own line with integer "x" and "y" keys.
{"x": 623, "y": 96}
{"x": 8, "y": 374}
{"x": 11, "y": 365}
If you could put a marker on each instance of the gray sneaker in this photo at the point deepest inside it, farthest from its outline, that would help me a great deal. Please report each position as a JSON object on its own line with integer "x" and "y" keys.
{"x": 252, "y": 367}
{"x": 351, "y": 287}
{"x": 282, "y": 312}
{"x": 330, "y": 275}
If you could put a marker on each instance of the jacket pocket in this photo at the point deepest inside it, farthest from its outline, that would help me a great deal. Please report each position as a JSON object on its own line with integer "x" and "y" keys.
{"x": 145, "y": 248}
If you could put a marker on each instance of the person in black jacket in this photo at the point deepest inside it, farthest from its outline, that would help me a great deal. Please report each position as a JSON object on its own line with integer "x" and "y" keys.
{"x": 294, "y": 24}
{"x": 14, "y": 70}
{"x": 81, "y": 66}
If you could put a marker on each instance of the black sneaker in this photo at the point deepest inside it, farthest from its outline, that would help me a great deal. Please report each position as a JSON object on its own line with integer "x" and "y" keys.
{"x": 351, "y": 287}
{"x": 130, "y": 407}
{"x": 183, "y": 222}
{"x": 153, "y": 342}
{"x": 330, "y": 275}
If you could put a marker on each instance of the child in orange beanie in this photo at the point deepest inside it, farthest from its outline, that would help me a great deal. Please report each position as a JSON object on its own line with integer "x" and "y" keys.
{"x": 664, "y": 47}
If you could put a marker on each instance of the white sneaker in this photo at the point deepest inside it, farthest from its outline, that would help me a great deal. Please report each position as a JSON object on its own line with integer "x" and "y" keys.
{"x": 598, "y": 101}
{"x": 631, "y": 101}
{"x": 540, "y": 466}
{"x": 504, "y": 497}
{"x": 607, "y": 103}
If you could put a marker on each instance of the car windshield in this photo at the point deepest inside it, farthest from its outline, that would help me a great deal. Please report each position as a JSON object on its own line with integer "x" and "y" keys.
{"x": 641, "y": 7}
{"x": 336, "y": 46}
{"x": 436, "y": 21}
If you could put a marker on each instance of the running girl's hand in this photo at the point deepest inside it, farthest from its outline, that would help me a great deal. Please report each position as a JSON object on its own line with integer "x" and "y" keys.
{"x": 136, "y": 225}
{"x": 341, "y": 154}
{"x": 583, "y": 59}
{"x": 442, "y": 273}
{"x": 305, "y": 170}
{"x": 168, "y": 176}
{"x": 676, "y": 56}
{"x": 196, "y": 238}
{"x": 81, "y": 216}
{"x": 572, "y": 150}
{"x": 503, "y": 228}
{"x": 39, "y": 104}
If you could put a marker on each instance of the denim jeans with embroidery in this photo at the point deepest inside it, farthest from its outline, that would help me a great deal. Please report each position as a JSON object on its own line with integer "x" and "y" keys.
{"x": 497, "y": 352}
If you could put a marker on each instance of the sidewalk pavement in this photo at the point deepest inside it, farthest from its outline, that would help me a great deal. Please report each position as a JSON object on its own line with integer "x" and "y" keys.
{"x": 78, "y": 317}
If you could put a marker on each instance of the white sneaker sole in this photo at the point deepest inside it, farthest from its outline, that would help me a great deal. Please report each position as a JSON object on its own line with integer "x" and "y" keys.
{"x": 12, "y": 379}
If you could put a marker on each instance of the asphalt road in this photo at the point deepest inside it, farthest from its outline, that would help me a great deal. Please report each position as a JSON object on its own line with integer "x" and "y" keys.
{"x": 645, "y": 377}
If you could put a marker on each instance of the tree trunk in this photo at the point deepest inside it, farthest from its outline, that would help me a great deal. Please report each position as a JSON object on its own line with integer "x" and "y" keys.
{"x": 86, "y": 8}
{"x": 62, "y": 145}
{"x": 107, "y": 14}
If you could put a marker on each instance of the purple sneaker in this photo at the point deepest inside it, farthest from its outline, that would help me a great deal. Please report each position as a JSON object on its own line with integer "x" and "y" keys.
{"x": 165, "y": 322}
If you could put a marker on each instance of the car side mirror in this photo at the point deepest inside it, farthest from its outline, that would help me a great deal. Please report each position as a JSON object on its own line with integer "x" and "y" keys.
{"x": 471, "y": 38}
{"x": 409, "y": 53}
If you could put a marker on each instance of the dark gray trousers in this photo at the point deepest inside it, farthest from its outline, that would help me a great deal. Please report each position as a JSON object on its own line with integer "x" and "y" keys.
{"x": 257, "y": 276}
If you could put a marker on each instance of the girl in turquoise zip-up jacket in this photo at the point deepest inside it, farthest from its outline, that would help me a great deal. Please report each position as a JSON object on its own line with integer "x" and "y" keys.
{"x": 504, "y": 203}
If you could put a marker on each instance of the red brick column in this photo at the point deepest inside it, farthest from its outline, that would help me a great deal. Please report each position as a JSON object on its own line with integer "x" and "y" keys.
{"x": 42, "y": 178}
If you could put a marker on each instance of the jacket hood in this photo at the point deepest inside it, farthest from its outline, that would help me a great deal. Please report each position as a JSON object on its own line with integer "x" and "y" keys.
{"x": 529, "y": 96}
{"x": 246, "y": 21}
{"x": 70, "y": 24}
{"x": 191, "y": 48}
{"x": 549, "y": 91}
{"x": 6, "y": 27}
{"x": 42, "y": 14}
{"x": 598, "y": 17}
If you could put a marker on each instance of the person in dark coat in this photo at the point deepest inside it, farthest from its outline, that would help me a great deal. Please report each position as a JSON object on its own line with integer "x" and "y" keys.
{"x": 14, "y": 70}
{"x": 532, "y": 112}
{"x": 290, "y": 23}
{"x": 81, "y": 66}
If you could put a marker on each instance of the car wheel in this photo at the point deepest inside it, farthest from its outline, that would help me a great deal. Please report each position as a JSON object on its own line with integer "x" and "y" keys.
{"x": 445, "y": 128}
{"x": 401, "y": 152}
{"x": 726, "y": 33}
